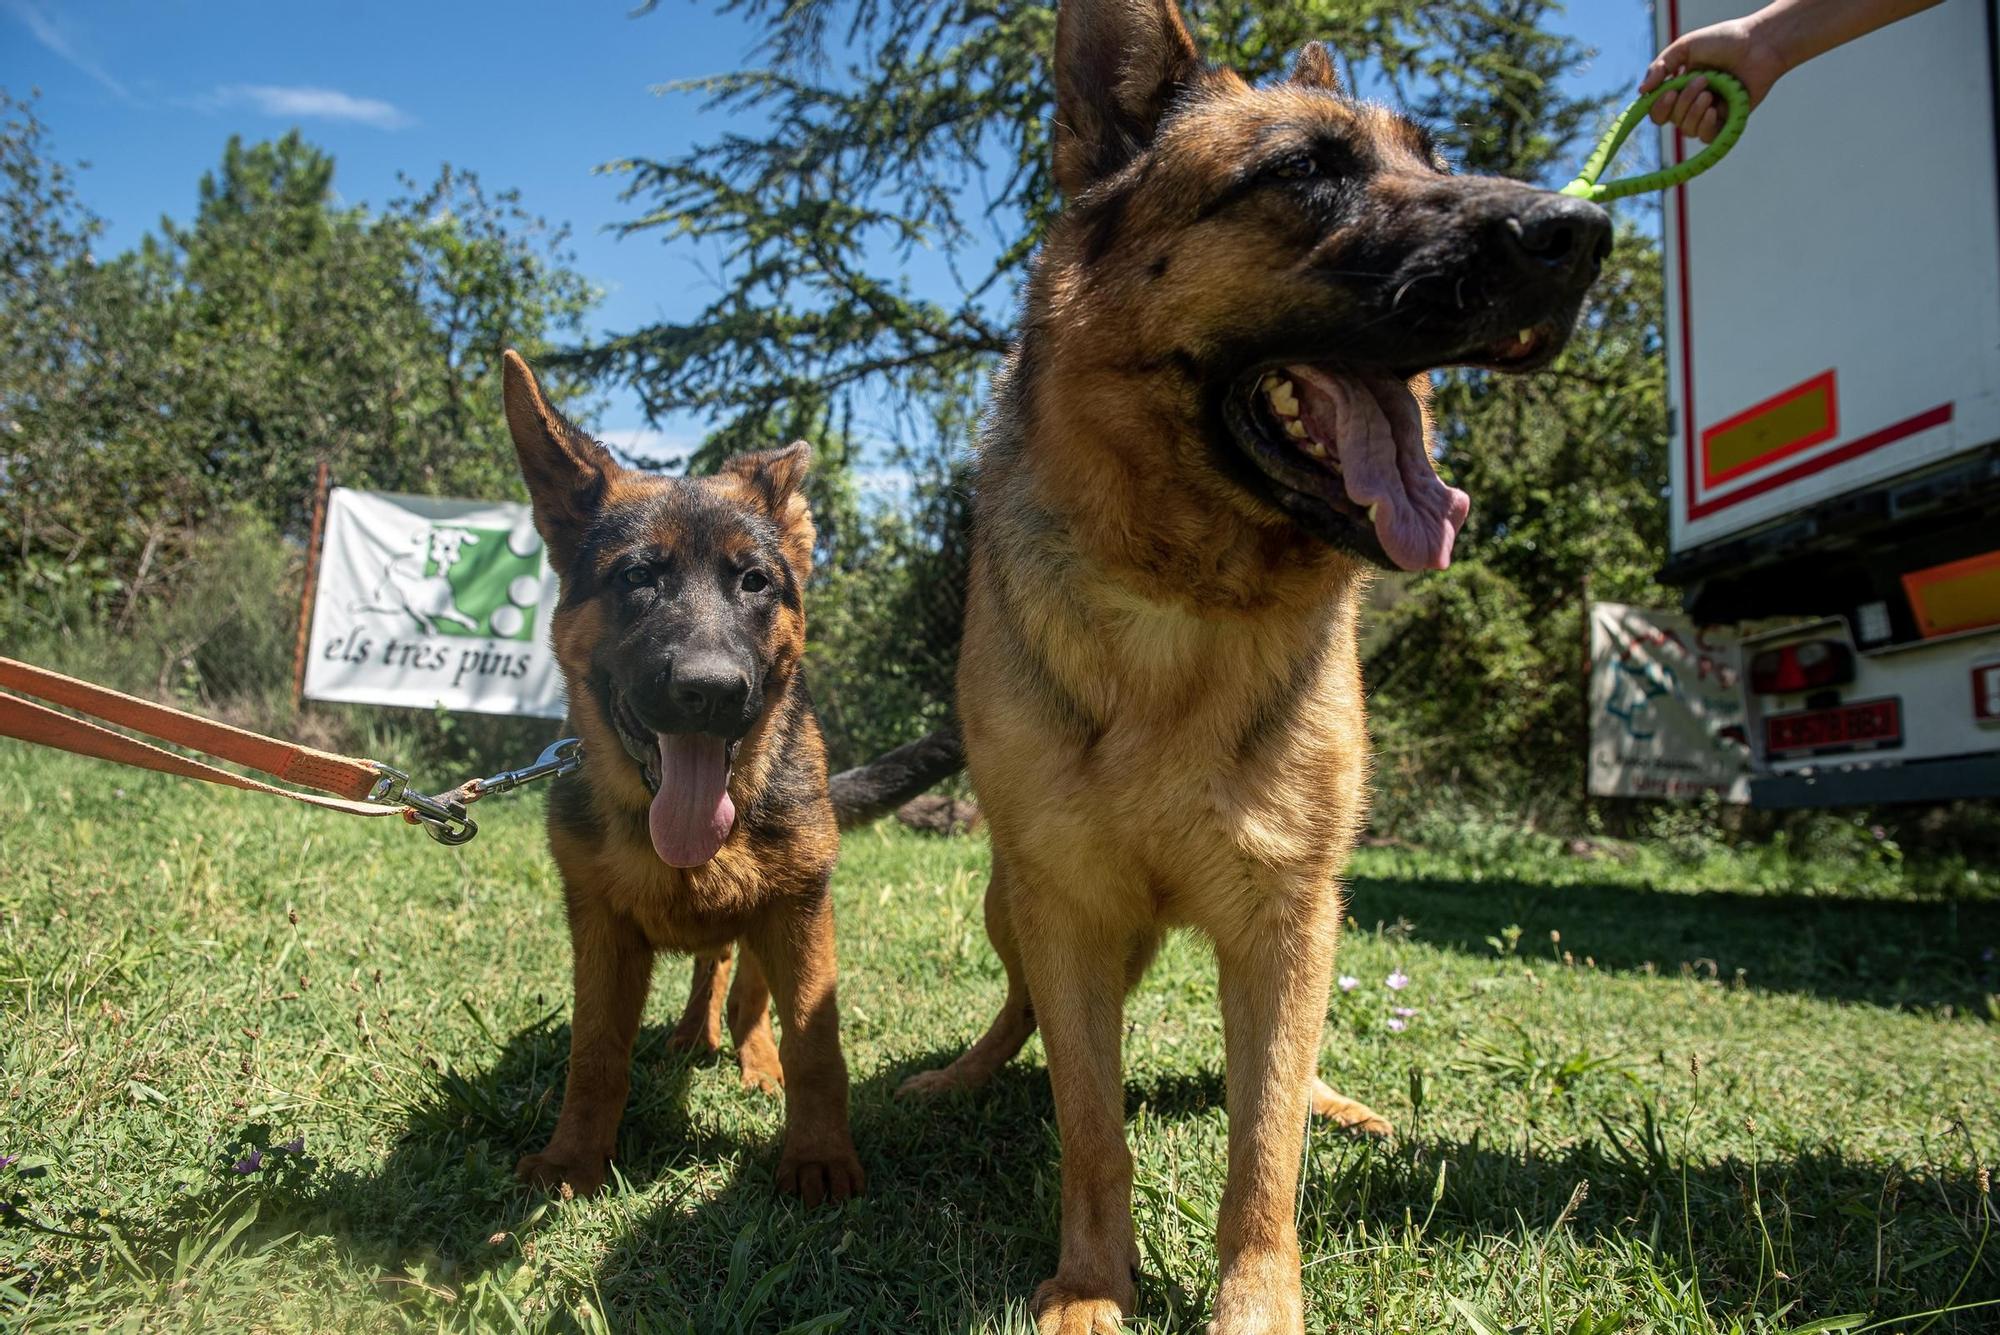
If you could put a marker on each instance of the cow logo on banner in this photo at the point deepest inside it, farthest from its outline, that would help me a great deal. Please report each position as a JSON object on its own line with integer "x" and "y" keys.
{"x": 1666, "y": 707}
{"x": 428, "y": 603}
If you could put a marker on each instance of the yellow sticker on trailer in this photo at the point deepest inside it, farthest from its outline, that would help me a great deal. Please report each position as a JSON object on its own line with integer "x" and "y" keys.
{"x": 1805, "y": 415}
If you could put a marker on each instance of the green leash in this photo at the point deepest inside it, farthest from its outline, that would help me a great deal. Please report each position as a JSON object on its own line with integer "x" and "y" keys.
{"x": 1734, "y": 98}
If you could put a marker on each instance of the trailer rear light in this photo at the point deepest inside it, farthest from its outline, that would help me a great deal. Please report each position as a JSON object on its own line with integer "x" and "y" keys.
{"x": 1801, "y": 667}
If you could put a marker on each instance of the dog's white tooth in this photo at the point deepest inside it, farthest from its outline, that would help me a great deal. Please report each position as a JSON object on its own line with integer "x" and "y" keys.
{"x": 1315, "y": 449}
{"x": 1526, "y": 336}
{"x": 1284, "y": 400}
{"x": 1371, "y": 511}
{"x": 1295, "y": 429}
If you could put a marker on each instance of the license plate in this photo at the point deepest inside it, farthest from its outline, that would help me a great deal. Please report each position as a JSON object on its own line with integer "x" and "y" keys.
{"x": 1865, "y": 725}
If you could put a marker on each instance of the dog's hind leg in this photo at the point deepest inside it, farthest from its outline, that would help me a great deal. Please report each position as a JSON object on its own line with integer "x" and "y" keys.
{"x": 1344, "y": 1112}
{"x": 1010, "y": 1028}
{"x": 750, "y": 1028}
{"x": 700, "y": 1027}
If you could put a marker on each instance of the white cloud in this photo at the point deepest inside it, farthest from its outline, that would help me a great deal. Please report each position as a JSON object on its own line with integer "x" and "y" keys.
{"x": 50, "y": 34}
{"x": 298, "y": 103}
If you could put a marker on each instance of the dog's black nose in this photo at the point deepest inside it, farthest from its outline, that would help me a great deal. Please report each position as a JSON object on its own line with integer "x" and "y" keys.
{"x": 1554, "y": 236}
{"x": 708, "y": 687}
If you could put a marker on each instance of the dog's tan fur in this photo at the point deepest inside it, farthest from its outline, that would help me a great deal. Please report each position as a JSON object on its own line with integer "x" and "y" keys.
{"x": 1159, "y": 683}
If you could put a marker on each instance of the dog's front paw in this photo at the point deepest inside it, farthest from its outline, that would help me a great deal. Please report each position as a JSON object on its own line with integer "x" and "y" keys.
{"x": 823, "y": 1169}
{"x": 554, "y": 1171}
{"x": 1060, "y": 1310}
{"x": 1259, "y": 1295}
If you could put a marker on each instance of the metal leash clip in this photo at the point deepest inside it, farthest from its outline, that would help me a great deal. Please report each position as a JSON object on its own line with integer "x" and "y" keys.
{"x": 444, "y": 816}
{"x": 560, "y": 758}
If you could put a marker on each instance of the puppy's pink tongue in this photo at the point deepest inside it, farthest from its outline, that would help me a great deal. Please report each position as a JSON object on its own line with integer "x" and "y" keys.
{"x": 692, "y": 813}
{"x": 1375, "y": 428}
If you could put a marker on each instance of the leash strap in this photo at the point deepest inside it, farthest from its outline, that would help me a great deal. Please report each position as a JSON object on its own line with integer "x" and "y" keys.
{"x": 352, "y": 783}
{"x": 1734, "y": 97}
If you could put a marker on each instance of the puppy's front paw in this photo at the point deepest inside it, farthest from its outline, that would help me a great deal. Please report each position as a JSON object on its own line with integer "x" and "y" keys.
{"x": 552, "y": 1170}
{"x": 823, "y": 1169}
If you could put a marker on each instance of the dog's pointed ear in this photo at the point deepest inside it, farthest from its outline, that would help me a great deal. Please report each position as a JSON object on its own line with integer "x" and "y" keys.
{"x": 1118, "y": 64}
{"x": 1314, "y": 68}
{"x": 776, "y": 480}
{"x": 566, "y": 471}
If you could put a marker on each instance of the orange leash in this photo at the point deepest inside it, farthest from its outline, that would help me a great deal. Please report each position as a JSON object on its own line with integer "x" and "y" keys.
{"x": 343, "y": 783}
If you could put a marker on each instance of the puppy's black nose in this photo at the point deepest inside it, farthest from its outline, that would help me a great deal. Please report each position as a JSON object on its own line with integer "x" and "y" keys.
{"x": 1556, "y": 237}
{"x": 708, "y": 688}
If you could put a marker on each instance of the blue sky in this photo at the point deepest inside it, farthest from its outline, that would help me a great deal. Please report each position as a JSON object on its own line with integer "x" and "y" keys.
{"x": 527, "y": 94}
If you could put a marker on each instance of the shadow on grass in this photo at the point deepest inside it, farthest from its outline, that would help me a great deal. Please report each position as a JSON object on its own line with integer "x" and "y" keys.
{"x": 1903, "y": 953}
{"x": 960, "y": 1220}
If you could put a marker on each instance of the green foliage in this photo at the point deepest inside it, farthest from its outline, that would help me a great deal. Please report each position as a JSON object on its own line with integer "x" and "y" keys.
{"x": 212, "y": 368}
{"x": 190, "y": 977}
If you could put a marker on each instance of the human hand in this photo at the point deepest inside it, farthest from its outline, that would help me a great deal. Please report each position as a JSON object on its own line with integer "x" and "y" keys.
{"x": 1739, "y": 47}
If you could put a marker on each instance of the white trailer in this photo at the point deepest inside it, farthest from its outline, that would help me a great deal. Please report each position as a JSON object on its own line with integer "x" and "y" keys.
{"x": 1833, "y": 344}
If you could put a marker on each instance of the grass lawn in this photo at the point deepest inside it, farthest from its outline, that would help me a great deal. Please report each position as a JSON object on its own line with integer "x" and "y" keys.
{"x": 191, "y": 977}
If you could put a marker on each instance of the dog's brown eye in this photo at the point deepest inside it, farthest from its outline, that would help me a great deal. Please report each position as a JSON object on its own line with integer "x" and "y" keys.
{"x": 755, "y": 581}
{"x": 635, "y": 577}
{"x": 1294, "y": 168}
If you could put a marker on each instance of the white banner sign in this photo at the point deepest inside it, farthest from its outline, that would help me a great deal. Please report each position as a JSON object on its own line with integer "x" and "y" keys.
{"x": 426, "y": 602}
{"x": 1666, "y": 708}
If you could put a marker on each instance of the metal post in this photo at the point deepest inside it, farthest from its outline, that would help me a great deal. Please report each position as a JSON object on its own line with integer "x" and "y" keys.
{"x": 312, "y": 586}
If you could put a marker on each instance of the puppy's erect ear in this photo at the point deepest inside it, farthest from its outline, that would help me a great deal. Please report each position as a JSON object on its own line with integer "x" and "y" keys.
{"x": 567, "y": 472}
{"x": 775, "y": 479}
{"x": 1314, "y": 68}
{"x": 1118, "y": 64}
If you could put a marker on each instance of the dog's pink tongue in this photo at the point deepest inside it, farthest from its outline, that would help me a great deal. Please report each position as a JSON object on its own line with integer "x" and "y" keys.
{"x": 692, "y": 813}
{"x": 1377, "y": 431}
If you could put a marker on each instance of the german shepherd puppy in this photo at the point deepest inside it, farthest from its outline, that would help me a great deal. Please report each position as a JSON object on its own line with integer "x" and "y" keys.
{"x": 700, "y": 816}
{"x": 1213, "y": 422}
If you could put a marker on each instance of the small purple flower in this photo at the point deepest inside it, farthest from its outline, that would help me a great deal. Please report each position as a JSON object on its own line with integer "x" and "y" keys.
{"x": 249, "y": 1163}
{"x": 296, "y": 1145}
{"x": 8, "y": 1161}
{"x": 1396, "y": 981}
{"x": 1405, "y": 1012}
{"x": 1397, "y": 1026}
{"x": 1348, "y": 982}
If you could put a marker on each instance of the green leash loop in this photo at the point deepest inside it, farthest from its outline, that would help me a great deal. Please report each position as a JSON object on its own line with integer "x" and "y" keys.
{"x": 1735, "y": 98}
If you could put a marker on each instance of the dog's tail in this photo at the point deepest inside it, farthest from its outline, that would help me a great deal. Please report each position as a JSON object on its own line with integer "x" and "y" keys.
{"x": 873, "y": 790}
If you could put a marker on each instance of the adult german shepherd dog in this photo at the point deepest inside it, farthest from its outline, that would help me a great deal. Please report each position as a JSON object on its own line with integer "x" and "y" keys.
{"x": 1214, "y": 421}
{"x": 700, "y": 817}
